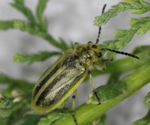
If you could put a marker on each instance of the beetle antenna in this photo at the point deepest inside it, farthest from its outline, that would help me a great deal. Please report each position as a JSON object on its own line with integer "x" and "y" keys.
{"x": 99, "y": 31}
{"x": 120, "y": 52}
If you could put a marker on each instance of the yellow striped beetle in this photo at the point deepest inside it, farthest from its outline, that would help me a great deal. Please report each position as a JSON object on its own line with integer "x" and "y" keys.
{"x": 64, "y": 76}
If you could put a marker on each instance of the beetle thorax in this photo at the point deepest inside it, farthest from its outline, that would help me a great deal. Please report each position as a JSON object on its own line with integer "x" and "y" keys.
{"x": 86, "y": 53}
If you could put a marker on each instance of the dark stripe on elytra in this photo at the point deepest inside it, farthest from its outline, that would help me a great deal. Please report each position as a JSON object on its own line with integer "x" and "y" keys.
{"x": 52, "y": 73}
{"x": 58, "y": 95}
{"x": 79, "y": 76}
{"x": 46, "y": 79}
{"x": 70, "y": 59}
{"x": 49, "y": 87}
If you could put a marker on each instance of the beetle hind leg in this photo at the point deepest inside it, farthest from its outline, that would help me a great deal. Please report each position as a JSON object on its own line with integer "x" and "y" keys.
{"x": 73, "y": 106}
{"x": 95, "y": 93}
{"x": 93, "y": 88}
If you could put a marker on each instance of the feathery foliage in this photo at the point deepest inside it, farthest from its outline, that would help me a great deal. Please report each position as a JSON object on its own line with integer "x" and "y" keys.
{"x": 15, "y": 97}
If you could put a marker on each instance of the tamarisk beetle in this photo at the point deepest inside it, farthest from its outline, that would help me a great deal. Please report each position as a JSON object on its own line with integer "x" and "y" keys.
{"x": 64, "y": 76}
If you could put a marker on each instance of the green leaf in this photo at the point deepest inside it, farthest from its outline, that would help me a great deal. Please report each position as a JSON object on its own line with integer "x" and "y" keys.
{"x": 143, "y": 121}
{"x": 100, "y": 121}
{"x": 140, "y": 5}
{"x": 6, "y": 112}
{"x": 54, "y": 116}
{"x": 124, "y": 37}
{"x": 13, "y": 84}
{"x": 138, "y": 21}
{"x": 145, "y": 7}
{"x": 19, "y": 5}
{"x": 27, "y": 120}
{"x": 63, "y": 43}
{"x": 26, "y": 26}
{"x": 49, "y": 119}
{"x": 140, "y": 49}
{"x": 144, "y": 28}
{"x": 20, "y": 103}
{"x": 107, "y": 92}
{"x": 138, "y": 25}
{"x": 142, "y": 24}
{"x": 120, "y": 33}
{"x": 4, "y": 121}
{"x": 62, "y": 105}
{"x": 52, "y": 41}
{"x": 71, "y": 45}
{"x": 147, "y": 100}
{"x": 40, "y": 9}
{"x": 116, "y": 9}
{"x": 45, "y": 24}
{"x": 32, "y": 27}
{"x": 114, "y": 78}
{"x": 16, "y": 24}
{"x": 5, "y": 25}
{"x": 142, "y": 11}
{"x": 31, "y": 58}
{"x": 4, "y": 101}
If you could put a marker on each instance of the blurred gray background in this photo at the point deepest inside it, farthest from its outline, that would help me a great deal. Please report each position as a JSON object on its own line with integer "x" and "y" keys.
{"x": 71, "y": 20}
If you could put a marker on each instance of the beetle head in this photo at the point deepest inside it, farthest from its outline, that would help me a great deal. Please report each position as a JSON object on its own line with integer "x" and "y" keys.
{"x": 88, "y": 53}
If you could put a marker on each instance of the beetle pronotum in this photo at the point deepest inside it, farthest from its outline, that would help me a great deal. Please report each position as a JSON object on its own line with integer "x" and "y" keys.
{"x": 64, "y": 76}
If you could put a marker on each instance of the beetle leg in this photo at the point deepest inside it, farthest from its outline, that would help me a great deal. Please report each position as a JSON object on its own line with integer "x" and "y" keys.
{"x": 103, "y": 66}
{"x": 100, "y": 67}
{"x": 93, "y": 87}
{"x": 73, "y": 105}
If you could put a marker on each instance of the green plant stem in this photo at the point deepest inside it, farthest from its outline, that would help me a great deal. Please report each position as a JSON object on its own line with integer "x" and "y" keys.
{"x": 114, "y": 78}
{"x": 87, "y": 113}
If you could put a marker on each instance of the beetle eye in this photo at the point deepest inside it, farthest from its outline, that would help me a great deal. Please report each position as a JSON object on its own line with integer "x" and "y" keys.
{"x": 99, "y": 55}
{"x": 94, "y": 46}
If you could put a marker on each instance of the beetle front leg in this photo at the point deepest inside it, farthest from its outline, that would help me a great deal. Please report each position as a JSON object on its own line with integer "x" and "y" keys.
{"x": 73, "y": 106}
{"x": 93, "y": 87}
{"x": 103, "y": 66}
{"x": 100, "y": 67}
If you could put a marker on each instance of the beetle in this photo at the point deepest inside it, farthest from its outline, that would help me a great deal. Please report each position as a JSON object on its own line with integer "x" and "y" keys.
{"x": 64, "y": 76}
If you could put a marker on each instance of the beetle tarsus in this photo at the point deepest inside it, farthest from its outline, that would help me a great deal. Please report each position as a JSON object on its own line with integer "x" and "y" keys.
{"x": 95, "y": 93}
{"x": 73, "y": 115}
{"x": 103, "y": 69}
